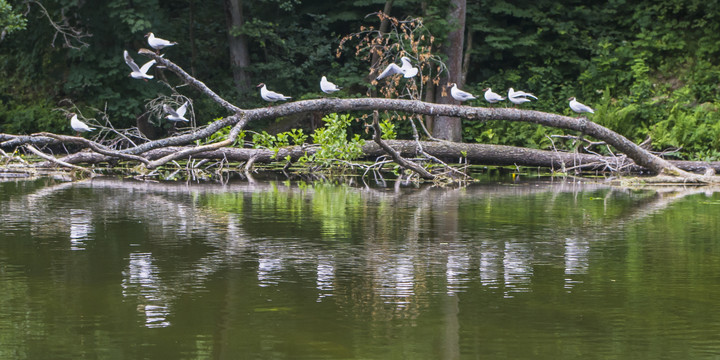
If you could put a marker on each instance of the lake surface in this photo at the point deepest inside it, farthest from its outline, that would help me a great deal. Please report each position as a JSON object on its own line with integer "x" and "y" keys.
{"x": 111, "y": 269}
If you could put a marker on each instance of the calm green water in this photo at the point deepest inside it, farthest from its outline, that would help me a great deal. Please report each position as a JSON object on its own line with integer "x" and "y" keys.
{"x": 107, "y": 269}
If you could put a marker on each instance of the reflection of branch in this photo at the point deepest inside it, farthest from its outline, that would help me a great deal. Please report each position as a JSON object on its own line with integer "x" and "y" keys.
{"x": 62, "y": 28}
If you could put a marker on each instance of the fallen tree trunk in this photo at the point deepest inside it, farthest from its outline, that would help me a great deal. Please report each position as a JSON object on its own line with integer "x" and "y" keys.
{"x": 478, "y": 154}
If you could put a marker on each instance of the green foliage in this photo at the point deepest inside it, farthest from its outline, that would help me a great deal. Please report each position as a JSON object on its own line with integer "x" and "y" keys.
{"x": 334, "y": 143}
{"x": 10, "y": 21}
{"x": 21, "y": 119}
{"x": 265, "y": 140}
{"x": 387, "y": 127}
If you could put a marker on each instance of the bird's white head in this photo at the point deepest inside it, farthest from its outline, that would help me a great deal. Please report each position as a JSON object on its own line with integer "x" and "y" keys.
{"x": 149, "y": 34}
{"x": 260, "y": 85}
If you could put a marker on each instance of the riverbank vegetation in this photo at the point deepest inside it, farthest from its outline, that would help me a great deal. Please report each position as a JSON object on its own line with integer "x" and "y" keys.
{"x": 648, "y": 68}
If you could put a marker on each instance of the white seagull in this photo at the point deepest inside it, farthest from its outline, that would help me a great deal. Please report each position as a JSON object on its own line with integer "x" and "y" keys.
{"x": 519, "y": 97}
{"x": 158, "y": 43}
{"x": 174, "y": 115}
{"x": 78, "y": 125}
{"x": 579, "y": 107}
{"x": 138, "y": 72}
{"x": 328, "y": 87}
{"x": 406, "y": 69}
{"x": 271, "y": 96}
{"x": 491, "y": 96}
{"x": 460, "y": 95}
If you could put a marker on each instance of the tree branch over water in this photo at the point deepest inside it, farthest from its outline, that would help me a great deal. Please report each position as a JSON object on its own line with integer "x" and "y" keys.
{"x": 241, "y": 117}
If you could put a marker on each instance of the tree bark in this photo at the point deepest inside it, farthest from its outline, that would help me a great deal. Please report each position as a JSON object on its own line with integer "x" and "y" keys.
{"x": 444, "y": 127}
{"x": 239, "y": 55}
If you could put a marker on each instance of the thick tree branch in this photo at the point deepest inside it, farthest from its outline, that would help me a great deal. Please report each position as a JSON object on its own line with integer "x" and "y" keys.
{"x": 190, "y": 80}
{"x": 234, "y": 132}
{"x": 185, "y": 139}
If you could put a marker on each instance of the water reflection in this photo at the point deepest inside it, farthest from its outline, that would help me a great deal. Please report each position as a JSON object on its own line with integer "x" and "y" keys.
{"x": 576, "y": 260}
{"x": 395, "y": 279}
{"x": 141, "y": 281}
{"x": 270, "y": 265}
{"x": 80, "y": 228}
{"x": 325, "y": 275}
{"x": 458, "y": 265}
{"x": 517, "y": 267}
{"x": 491, "y": 263}
{"x": 256, "y": 260}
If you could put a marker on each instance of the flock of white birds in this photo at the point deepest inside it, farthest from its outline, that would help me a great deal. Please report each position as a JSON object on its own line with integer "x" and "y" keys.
{"x": 406, "y": 69}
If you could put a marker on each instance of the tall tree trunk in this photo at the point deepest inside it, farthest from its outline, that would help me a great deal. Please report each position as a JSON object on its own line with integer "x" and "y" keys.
{"x": 239, "y": 56}
{"x": 191, "y": 30}
{"x": 444, "y": 127}
{"x": 466, "y": 58}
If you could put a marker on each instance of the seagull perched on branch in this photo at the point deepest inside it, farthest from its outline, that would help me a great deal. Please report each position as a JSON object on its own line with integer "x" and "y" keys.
{"x": 78, "y": 125}
{"x": 271, "y": 96}
{"x": 460, "y": 95}
{"x": 519, "y": 97}
{"x": 491, "y": 96}
{"x": 578, "y": 107}
{"x": 158, "y": 43}
{"x": 406, "y": 69}
{"x": 174, "y": 115}
{"x": 328, "y": 87}
{"x": 138, "y": 72}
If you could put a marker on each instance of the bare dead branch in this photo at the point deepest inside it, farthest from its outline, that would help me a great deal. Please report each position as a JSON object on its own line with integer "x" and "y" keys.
{"x": 64, "y": 30}
{"x": 100, "y": 149}
{"x": 377, "y": 137}
{"x": 190, "y": 80}
{"x": 56, "y": 161}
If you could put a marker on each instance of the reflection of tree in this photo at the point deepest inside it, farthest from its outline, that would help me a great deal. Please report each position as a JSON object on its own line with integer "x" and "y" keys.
{"x": 380, "y": 254}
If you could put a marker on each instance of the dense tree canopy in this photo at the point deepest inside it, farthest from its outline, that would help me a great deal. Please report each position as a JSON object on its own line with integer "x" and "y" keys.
{"x": 649, "y": 68}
